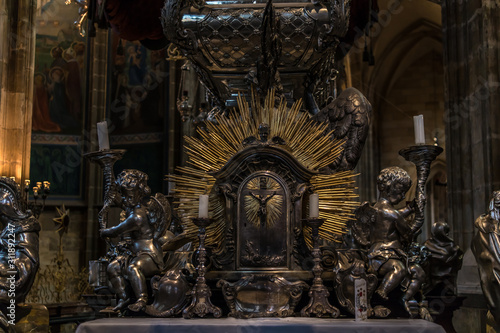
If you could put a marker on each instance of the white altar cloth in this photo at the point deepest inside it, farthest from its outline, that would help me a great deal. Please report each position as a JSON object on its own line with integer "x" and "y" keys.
{"x": 257, "y": 325}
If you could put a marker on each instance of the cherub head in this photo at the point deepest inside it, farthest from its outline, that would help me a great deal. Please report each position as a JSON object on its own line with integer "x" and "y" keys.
{"x": 133, "y": 187}
{"x": 393, "y": 183}
{"x": 495, "y": 205}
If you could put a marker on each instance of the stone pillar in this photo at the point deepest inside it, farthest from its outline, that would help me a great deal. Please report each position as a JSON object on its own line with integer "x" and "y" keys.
{"x": 471, "y": 47}
{"x": 472, "y": 99}
{"x": 17, "y": 61}
{"x": 97, "y": 77}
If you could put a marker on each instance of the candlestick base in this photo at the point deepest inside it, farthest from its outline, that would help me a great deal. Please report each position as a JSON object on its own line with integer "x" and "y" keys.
{"x": 201, "y": 305}
{"x": 319, "y": 305}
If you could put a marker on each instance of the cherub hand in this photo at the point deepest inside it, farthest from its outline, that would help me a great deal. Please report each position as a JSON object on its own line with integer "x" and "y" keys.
{"x": 411, "y": 204}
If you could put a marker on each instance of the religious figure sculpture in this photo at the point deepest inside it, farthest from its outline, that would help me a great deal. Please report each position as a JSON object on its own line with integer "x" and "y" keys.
{"x": 388, "y": 234}
{"x": 445, "y": 260}
{"x": 19, "y": 258}
{"x": 485, "y": 246}
{"x": 139, "y": 254}
{"x": 262, "y": 200}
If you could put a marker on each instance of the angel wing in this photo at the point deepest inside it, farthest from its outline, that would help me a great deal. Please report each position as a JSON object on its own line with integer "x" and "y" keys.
{"x": 160, "y": 214}
{"x": 360, "y": 228}
{"x": 349, "y": 118}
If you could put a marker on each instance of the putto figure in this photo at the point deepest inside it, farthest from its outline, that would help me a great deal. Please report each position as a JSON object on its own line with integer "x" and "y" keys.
{"x": 19, "y": 258}
{"x": 138, "y": 255}
{"x": 388, "y": 235}
{"x": 485, "y": 246}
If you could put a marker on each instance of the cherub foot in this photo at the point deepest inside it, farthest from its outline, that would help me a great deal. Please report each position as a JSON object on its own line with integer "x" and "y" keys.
{"x": 139, "y": 305}
{"x": 425, "y": 314}
{"x": 121, "y": 304}
{"x": 381, "y": 311}
{"x": 382, "y": 294}
{"x": 407, "y": 307}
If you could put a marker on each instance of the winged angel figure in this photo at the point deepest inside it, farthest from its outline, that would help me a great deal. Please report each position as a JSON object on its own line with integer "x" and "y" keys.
{"x": 349, "y": 118}
{"x": 143, "y": 230}
{"x": 388, "y": 232}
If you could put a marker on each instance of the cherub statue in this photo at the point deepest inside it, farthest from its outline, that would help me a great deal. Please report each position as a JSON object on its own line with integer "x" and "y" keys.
{"x": 387, "y": 234}
{"x": 19, "y": 258}
{"x": 139, "y": 253}
{"x": 485, "y": 246}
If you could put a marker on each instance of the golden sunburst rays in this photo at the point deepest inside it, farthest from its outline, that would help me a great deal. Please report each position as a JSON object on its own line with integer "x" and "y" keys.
{"x": 337, "y": 201}
{"x": 307, "y": 141}
{"x": 268, "y": 204}
{"x": 190, "y": 183}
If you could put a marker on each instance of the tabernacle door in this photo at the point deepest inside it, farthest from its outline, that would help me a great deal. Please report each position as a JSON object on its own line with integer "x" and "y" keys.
{"x": 263, "y": 223}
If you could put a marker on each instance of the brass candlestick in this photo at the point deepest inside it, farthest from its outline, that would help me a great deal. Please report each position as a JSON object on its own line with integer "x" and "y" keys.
{"x": 201, "y": 305}
{"x": 318, "y": 294}
{"x": 106, "y": 159}
{"x": 422, "y": 156}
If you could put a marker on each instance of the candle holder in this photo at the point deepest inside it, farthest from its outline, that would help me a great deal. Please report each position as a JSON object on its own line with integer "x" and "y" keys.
{"x": 422, "y": 156}
{"x": 201, "y": 305}
{"x": 42, "y": 189}
{"x": 318, "y": 294}
{"x": 106, "y": 159}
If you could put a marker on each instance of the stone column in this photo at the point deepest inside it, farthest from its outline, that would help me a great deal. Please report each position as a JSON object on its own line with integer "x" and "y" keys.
{"x": 471, "y": 47}
{"x": 472, "y": 99}
{"x": 97, "y": 77}
{"x": 17, "y": 60}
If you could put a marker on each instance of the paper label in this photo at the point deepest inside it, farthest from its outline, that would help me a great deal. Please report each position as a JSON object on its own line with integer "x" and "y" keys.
{"x": 360, "y": 300}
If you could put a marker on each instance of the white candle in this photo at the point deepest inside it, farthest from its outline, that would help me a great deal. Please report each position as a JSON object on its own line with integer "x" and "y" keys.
{"x": 171, "y": 186}
{"x": 102, "y": 135}
{"x": 203, "y": 208}
{"x": 418, "y": 121}
{"x": 314, "y": 206}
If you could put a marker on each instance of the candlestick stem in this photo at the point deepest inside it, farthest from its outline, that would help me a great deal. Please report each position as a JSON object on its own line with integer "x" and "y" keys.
{"x": 319, "y": 305}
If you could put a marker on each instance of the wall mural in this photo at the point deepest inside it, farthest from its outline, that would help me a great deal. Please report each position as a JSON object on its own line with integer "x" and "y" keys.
{"x": 137, "y": 104}
{"x": 58, "y": 100}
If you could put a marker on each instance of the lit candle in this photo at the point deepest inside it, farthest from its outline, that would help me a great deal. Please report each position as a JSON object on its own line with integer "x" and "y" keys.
{"x": 102, "y": 135}
{"x": 35, "y": 192}
{"x": 203, "y": 208}
{"x": 46, "y": 185}
{"x": 13, "y": 178}
{"x": 39, "y": 185}
{"x": 418, "y": 122}
{"x": 27, "y": 182}
{"x": 314, "y": 206}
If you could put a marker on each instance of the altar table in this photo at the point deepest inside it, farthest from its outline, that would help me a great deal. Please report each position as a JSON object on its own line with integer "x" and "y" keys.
{"x": 257, "y": 325}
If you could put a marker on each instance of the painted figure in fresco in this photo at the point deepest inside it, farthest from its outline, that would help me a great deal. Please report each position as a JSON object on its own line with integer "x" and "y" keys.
{"x": 139, "y": 254}
{"x": 57, "y": 55}
{"x": 73, "y": 83}
{"x": 58, "y": 104}
{"x": 387, "y": 233}
{"x": 19, "y": 257}
{"x": 486, "y": 248}
{"x": 41, "y": 118}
